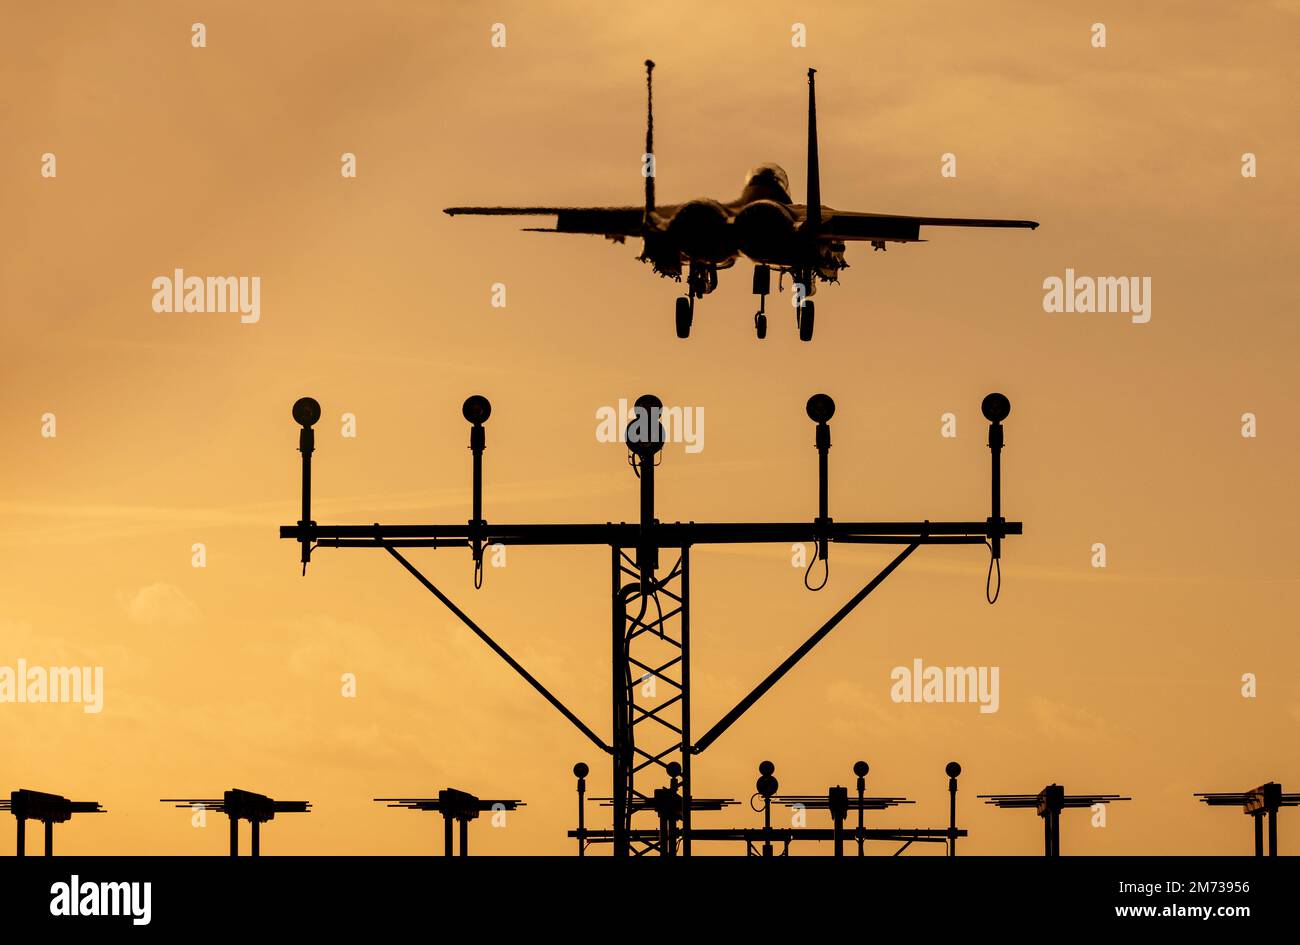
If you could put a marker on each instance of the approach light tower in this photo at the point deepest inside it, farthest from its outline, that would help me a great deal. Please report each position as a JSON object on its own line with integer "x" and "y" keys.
{"x": 49, "y": 809}
{"x": 456, "y": 807}
{"x": 1048, "y": 804}
{"x": 239, "y": 805}
{"x": 1258, "y": 803}
{"x": 651, "y": 599}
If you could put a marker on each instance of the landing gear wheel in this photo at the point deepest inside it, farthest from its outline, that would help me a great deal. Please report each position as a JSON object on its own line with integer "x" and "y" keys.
{"x": 760, "y": 326}
{"x": 806, "y": 313}
{"x": 684, "y": 313}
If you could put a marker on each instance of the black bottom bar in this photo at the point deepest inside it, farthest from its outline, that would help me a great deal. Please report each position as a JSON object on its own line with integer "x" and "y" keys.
{"x": 923, "y": 893}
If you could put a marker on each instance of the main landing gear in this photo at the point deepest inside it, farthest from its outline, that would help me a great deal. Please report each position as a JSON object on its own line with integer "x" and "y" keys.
{"x": 685, "y": 312}
{"x": 703, "y": 279}
{"x": 804, "y": 313}
{"x": 803, "y": 319}
{"x": 805, "y": 286}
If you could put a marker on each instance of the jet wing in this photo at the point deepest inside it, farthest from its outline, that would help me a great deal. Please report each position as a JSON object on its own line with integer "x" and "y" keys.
{"x": 613, "y": 222}
{"x": 887, "y": 227}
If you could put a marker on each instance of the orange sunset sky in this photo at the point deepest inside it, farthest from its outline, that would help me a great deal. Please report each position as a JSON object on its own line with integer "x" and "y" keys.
{"x": 174, "y": 429}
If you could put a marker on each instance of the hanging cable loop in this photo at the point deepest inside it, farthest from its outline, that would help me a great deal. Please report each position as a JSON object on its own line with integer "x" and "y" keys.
{"x": 993, "y": 589}
{"x": 826, "y": 572}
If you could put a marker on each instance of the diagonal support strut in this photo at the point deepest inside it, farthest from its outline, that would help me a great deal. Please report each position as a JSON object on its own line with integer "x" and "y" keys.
{"x": 496, "y": 648}
{"x": 775, "y": 676}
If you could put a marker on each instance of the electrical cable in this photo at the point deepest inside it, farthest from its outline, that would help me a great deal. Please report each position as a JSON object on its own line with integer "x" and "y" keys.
{"x": 826, "y": 576}
{"x": 992, "y": 592}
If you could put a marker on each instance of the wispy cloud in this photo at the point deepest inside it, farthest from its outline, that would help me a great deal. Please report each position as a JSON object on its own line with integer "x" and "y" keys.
{"x": 162, "y": 605}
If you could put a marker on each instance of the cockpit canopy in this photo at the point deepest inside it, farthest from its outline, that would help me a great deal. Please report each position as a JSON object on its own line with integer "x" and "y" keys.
{"x": 767, "y": 175}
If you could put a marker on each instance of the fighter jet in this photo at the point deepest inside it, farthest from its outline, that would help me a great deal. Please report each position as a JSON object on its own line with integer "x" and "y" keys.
{"x": 805, "y": 241}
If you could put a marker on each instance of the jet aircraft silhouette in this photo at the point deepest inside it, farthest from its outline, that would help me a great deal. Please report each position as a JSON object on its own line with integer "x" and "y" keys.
{"x": 806, "y": 241}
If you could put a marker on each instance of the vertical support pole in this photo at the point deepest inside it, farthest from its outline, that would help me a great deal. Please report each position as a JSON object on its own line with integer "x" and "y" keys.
{"x": 952, "y": 816}
{"x": 996, "y": 408}
{"x": 837, "y": 799}
{"x": 823, "y": 485}
{"x": 666, "y": 840}
{"x": 464, "y": 836}
{"x": 1258, "y": 818}
{"x": 22, "y": 836}
{"x": 820, "y": 408}
{"x": 49, "y": 838}
{"x": 862, "y": 782}
{"x": 767, "y": 786}
{"x": 447, "y": 838}
{"x": 306, "y": 411}
{"x": 476, "y": 411}
{"x": 622, "y": 773}
{"x": 1272, "y": 832}
{"x": 767, "y": 826}
{"x": 306, "y": 446}
{"x": 580, "y": 771}
{"x": 685, "y": 620}
{"x": 953, "y": 770}
{"x": 647, "y": 553}
{"x": 861, "y": 768}
{"x": 234, "y": 835}
{"x": 995, "y": 517}
{"x": 477, "y": 443}
{"x": 255, "y": 828}
{"x": 645, "y": 438}
{"x": 1051, "y": 801}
